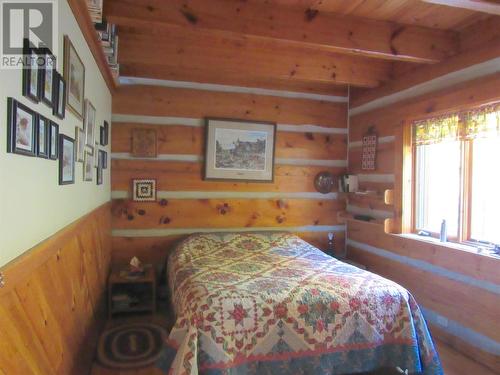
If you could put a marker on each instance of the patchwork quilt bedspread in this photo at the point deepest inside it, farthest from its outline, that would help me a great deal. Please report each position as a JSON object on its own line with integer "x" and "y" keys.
{"x": 270, "y": 303}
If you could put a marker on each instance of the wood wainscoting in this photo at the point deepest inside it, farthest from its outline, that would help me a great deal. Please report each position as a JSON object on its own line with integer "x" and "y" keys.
{"x": 52, "y": 303}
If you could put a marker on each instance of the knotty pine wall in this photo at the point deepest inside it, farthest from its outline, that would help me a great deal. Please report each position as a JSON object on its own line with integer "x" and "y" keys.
{"x": 311, "y": 137}
{"x": 52, "y": 306}
{"x": 459, "y": 290}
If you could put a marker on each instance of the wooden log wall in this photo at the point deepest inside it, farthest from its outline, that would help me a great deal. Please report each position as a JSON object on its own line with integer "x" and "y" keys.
{"x": 459, "y": 290}
{"x": 52, "y": 304}
{"x": 311, "y": 137}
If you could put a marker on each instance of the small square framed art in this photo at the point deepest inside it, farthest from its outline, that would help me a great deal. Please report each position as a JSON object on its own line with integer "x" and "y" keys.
{"x": 144, "y": 190}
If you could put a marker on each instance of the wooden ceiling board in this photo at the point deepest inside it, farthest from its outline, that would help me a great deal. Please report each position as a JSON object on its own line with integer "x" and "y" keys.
{"x": 182, "y": 52}
{"x": 412, "y": 12}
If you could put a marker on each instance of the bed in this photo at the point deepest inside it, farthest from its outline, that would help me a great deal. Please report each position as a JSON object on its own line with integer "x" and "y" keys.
{"x": 270, "y": 303}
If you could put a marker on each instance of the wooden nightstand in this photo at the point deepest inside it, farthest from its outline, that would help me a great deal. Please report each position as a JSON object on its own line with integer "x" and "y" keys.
{"x": 131, "y": 294}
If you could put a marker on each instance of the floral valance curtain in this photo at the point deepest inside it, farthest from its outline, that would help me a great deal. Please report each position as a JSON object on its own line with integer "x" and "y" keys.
{"x": 478, "y": 123}
{"x": 483, "y": 122}
{"x": 436, "y": 130}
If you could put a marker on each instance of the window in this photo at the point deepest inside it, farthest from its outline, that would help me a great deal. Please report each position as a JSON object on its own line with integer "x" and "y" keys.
{"x": 455, "y": 178}
{"x": 485, "y": 202}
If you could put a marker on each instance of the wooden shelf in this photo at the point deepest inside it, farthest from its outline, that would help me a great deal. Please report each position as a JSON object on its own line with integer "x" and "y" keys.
{"x": 387, "y": 196}
{"x": 384, "y": 224}
{"x": 142, "y": 308}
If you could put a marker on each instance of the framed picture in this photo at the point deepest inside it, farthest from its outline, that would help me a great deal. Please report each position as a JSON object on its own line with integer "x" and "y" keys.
{"x": 104, "y": 134}
{"x": 31, "y": 72}
{"x": 74, "y": 76}
{"x": 144, "y": 190}
{"x": 144, "y": 143}
{"x": 96, "y": 155}
{"x": 89, "y": 123}
{"x": 88, "y": 166}
{"x": 43, "y": 137}
{"x": 369, "y": 151}
{"x": 99, "y": 176}
{"x": 53, "y": 141}
{"x": 47, "y": 76}
{"x": 21, "y": 130}
{"x": 80, "y": 144}
{"x": 239, "y": 150}
{"x": 103, "y": 159}
{"x": 59, "y": 100}
{"x": 66, "y": 160}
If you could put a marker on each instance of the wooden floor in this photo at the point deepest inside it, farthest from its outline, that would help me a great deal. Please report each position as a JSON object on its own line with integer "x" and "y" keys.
{"x": 454, "y": 363}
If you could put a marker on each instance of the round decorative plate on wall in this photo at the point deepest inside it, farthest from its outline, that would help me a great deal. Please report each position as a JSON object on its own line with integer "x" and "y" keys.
{"x": 323, "y": 182}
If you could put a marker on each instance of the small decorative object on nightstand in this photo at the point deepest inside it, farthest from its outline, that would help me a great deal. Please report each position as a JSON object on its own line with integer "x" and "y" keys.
{"x": 331, "y": 244}
{"x": 132, "y": 291}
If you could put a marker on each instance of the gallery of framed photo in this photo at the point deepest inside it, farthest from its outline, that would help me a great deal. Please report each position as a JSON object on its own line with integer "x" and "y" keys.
{"x": 46, "y": 76}
{"x": 59, "y": 99}
{"x": 31, "y": 72}
{"x": 21, "y": 129}
{"x": 66, "y": 160}
{"x": 74, "y": 76}
{"x": 89, "y": 123}
{"x": 53, "y": 141}
{"x": 43, "y": 131}
{"x": 239, "y": 150}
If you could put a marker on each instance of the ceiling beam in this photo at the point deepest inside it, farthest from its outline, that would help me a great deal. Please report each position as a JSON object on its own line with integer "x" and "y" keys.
{"x": 165, "y": 73}
{"x": 312, "y": 28}
{"x": 482, "y": 49}
{"x": 179, "y": 53}
{"x": 489, "y": 7}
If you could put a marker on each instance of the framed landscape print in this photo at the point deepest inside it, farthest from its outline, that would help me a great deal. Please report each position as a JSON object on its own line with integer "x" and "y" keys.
{"x": 89, "y": 123}
{"x": 53, "y": 141}
{"x": 31, "y": 72}
{"x": 46, "y": 76}
{"x": 66, "y": 160}
{"x": 21, "y": 129}
{"x": 74, "y": 76}
{"x": 59, "y": 106}
{"x": 239, "y": 150}
{"x": 43, "y": 137}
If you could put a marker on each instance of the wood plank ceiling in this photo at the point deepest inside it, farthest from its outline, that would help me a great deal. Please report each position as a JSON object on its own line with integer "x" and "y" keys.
{"x": 315, "y": 46}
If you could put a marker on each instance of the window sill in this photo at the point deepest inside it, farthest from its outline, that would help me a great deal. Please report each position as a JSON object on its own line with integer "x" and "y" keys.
{"x": 451, "y": 245}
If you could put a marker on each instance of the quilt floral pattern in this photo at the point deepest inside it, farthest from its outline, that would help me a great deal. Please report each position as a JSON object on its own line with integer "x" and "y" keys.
{"x": 270, "y": 303}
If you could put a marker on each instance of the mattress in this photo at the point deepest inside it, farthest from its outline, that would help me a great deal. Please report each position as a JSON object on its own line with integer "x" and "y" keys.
{"x": 270, "y": 303}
